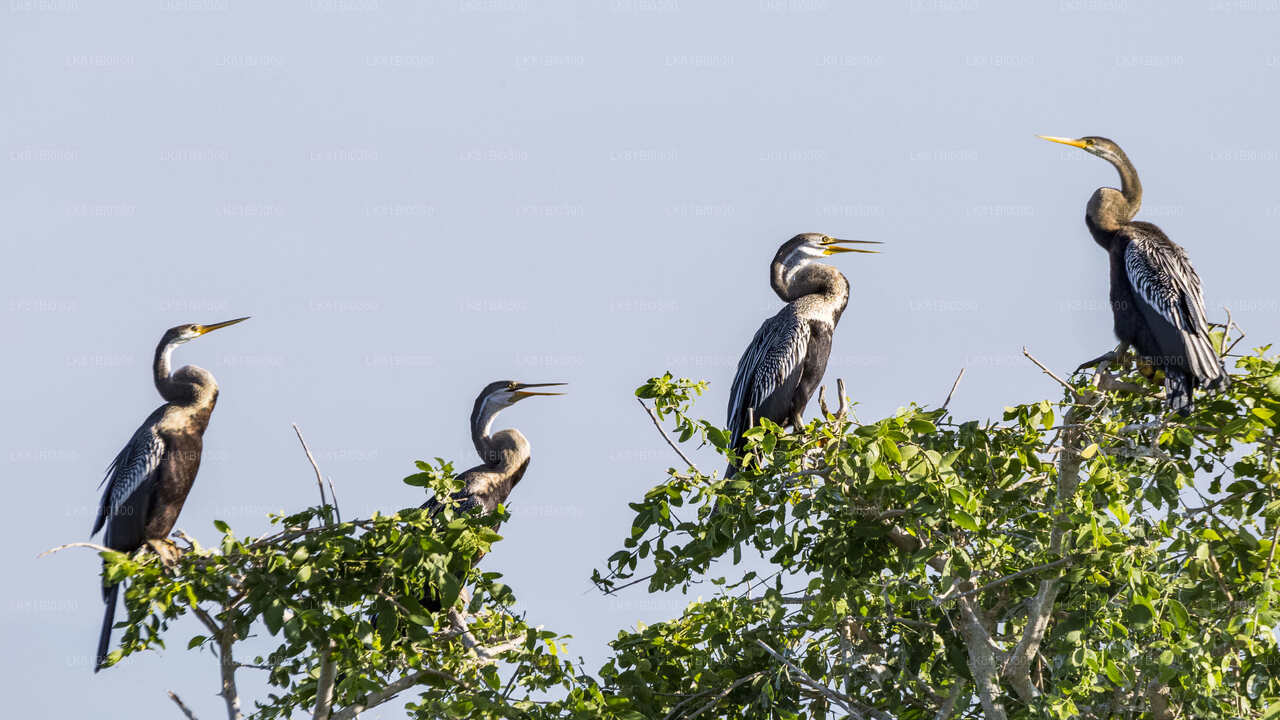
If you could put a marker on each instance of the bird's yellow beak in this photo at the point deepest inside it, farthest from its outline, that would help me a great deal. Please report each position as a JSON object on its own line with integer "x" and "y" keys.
{"x": 202, "y": 329}
{"x": 1064, "y": 141}
{"x": 521, "y": 393}
{"x": 831, "y": 246}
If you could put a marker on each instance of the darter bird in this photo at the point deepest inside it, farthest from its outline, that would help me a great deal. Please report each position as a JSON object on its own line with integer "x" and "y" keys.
{"x": 504, "y": 455}
{"x": 788, "y": 355}
{"x": 1156, "y": 299}
{"x": 148, "y": 481}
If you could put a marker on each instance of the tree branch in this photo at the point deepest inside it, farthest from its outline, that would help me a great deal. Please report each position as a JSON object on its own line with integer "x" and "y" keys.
{"x": 654, "y": 417}
{"x": 225, "y": 638}
{"x": 314, "y": 466}
{"x": 1017, "y": 669}
{"x": 390, "y": 691}
{"x": 831, "y": 694}
{"x": 94, "y": 546}
{"x": 324, "y": 685}
{"x": 185, "y": 710}
{"x": 1050, "y": 373}
{"x": 954, "y": 385}
{"x": 982, "y": 661}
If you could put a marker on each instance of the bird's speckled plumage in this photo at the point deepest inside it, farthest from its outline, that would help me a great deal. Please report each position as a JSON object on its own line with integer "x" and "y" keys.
{"x": 149, "y": 480}
{"x": 787, "y": 357}
{"x": 1156, "y": 299}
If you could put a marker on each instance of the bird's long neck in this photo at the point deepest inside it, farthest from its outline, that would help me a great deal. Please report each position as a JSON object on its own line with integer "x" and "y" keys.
{"x": 191, "y": 386}
{"x": 491, "y": 446}
{"x": 812, "y": 279}
{"x": 165, "y": 384}
{"x": 1108, "y": 208}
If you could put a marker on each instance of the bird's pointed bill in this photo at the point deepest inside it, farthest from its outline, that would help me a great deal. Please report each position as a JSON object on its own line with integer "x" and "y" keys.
{"x": 1065, "y": 141}
{"x": 831, "y": 246}
{"x": 521, "y": 393}
{"x": 216, "y": 326}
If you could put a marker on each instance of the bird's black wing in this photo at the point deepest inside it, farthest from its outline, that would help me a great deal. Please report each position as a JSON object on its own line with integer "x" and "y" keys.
{"x": 769, "y": 369}
{"x": 1167, "y": 291}
{"x": 130, "y": 481}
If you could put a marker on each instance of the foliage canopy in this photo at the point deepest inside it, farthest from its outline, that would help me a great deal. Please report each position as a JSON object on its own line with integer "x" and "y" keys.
{"x": 1086, "y": 557}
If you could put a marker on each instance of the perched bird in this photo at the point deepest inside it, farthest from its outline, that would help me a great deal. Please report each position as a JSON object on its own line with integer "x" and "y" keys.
{"x": 1155, "y": 293}
{"x": 504, "y": 455}
{"x": 788, "y": 355}
{"x": 148, "y": 481}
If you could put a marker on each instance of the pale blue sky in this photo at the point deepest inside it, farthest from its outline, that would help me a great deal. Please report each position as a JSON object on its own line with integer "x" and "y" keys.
{"x": 414, "y": 200}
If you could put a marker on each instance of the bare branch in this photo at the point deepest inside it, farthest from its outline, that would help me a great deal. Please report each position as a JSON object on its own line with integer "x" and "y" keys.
{"x": 654, "y": 417}
{"x": 822, "y": 401}
{"x": 185, "y": 710}
{"x": 954, "y": 385}
{"x": 842, "y": 408}
{"x": 94, "y": 546}
{"x": 1049, "y": 372}
{"x": 314, "y": 466}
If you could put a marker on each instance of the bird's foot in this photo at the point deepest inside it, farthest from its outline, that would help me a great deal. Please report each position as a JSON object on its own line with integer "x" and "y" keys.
{"x": 167, "y": 551}
{"x": 1107, "y": 357}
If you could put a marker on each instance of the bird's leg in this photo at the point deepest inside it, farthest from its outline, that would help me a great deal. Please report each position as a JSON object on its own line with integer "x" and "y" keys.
{"x": 796, "y": 423}
{"x": 1112, "y": 356}
{"x": 167, "y": 551}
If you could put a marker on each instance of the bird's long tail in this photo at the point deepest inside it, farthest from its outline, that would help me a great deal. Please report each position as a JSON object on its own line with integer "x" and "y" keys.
{"x": 1177, "y": 389}
{"x": 109, "y": 595}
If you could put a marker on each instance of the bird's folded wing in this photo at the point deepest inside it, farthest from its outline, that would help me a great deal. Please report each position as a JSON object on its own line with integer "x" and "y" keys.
{"x": 135, "y": 466}
{"x": 774, "y": 355}
{"x": 1167, "y": 286}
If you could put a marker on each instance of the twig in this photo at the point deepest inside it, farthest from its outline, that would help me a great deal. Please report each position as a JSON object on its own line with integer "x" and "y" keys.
{"x": 842, "y": 408}
{"x": 1049, "y": 372}
{"x": 822, "y": 401}
{"x": 954, "y": 385}
{"x": 95, "y": 546}
{"x": 314, "y": 466}
{"x": 1226, "y": 334}
{"x": 333, "y": 498}
{"x": 654, "y": 417}
{"x": 185, "y": 710}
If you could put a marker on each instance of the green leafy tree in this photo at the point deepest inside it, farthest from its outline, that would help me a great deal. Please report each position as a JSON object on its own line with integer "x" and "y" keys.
{"x": 1092, "y": 557}
{"x": 1089, "y": 557}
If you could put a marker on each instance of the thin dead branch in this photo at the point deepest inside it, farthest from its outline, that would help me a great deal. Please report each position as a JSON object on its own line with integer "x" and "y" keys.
{"x": 182, "y": 706}
{"x": 314, "y": 466}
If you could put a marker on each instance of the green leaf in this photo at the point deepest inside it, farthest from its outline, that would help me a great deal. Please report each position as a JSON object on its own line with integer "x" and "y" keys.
{"x": 964, "y": 520}
{"x": 196, "y": 640}
{"x": 222, "y": 527}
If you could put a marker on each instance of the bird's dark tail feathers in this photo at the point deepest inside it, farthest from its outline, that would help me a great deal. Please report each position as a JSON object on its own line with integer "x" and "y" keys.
{"x": 109, "y": 595}
{"x": 1177, "y": 389}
